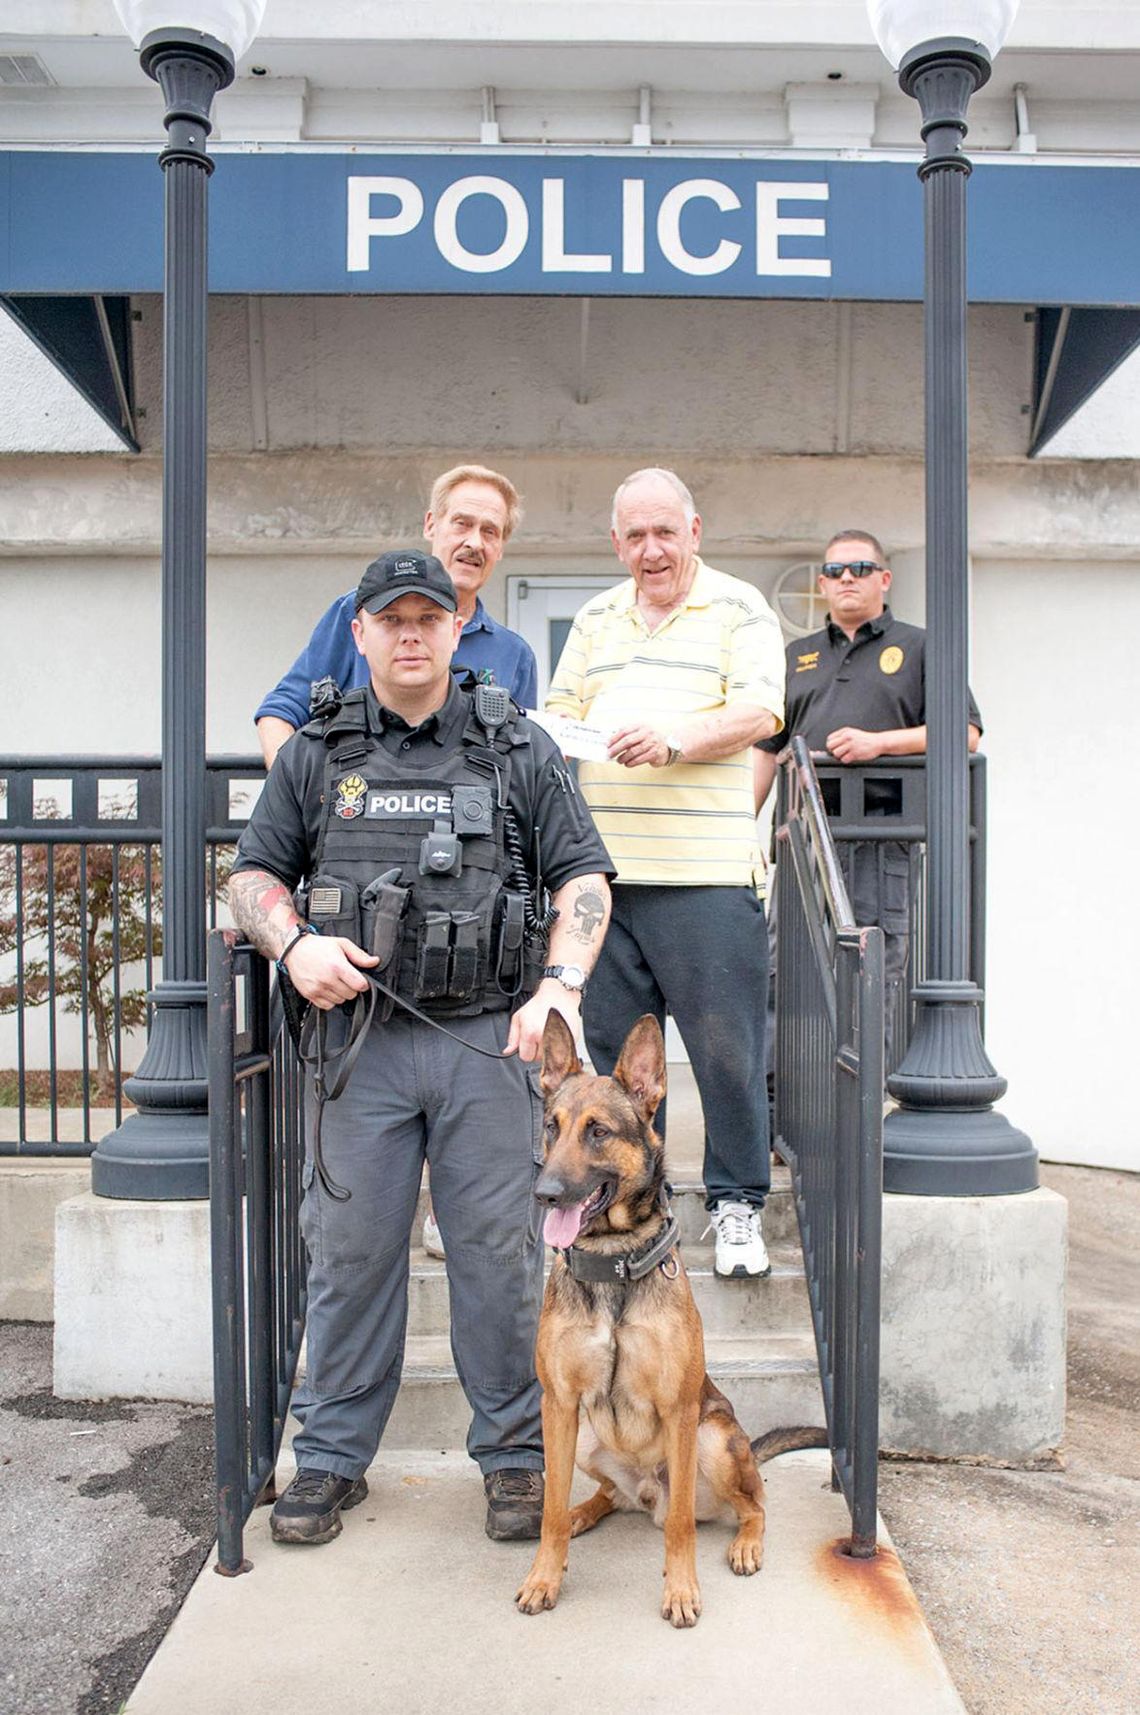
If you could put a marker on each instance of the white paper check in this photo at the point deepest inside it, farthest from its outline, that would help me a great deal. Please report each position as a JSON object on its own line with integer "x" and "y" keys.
{"x": 573, "y": 738}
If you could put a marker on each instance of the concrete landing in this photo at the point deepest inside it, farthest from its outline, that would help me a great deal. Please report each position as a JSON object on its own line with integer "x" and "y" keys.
{"x": 411, "y": 1609}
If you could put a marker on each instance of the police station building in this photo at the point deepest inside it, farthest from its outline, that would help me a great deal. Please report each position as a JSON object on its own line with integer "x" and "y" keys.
{"x": 569, "y": 241}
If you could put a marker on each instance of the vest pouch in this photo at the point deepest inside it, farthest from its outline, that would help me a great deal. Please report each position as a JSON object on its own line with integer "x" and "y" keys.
{"x": 507, "y": 942}
{"x": 334, "y": 907}
{"x": 464, "y": 972}
{"x": 383, "y": 908}
{"x": 433, "y": 956}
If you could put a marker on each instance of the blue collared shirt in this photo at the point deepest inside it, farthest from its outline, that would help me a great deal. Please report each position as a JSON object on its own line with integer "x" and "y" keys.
{"x": 484, "y": 646}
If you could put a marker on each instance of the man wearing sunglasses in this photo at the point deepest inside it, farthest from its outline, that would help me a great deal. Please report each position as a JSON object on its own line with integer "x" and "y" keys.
{"x": 857, "y": 689}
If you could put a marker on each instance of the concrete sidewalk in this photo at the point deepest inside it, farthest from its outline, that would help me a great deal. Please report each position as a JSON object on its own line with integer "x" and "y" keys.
{"x": 411, "y": 1609}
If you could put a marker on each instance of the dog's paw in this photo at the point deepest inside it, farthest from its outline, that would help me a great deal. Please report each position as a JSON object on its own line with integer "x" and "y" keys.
{"x": 538, "y": 1592}
{"x": 746, "y": 1554}
{"x": 681, "y": 1603}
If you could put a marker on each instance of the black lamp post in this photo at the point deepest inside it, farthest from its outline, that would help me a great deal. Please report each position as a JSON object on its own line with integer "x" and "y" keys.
{"x": 945, "y": 1139}
{"x": 162, "y": 1150}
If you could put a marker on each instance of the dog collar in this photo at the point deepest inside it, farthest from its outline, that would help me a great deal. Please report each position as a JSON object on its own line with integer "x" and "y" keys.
{"x": 593, "y": 1266}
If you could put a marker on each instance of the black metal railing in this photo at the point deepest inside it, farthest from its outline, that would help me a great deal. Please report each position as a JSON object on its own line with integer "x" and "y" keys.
{"x": 258, "y": 1257}
{"x": 81, "y": 932}
{"x": 883, "y": 804}
{"x": 829, "y": 1125}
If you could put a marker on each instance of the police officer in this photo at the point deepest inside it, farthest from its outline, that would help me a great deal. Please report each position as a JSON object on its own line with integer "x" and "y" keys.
{"x": 858, "y": 690}
{"x": 427, "y": 820}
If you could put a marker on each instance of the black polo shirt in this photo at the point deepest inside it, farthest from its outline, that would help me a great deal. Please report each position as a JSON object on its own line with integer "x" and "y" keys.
{"x": 875, "y": 680}
{"x": 282, "y": 834}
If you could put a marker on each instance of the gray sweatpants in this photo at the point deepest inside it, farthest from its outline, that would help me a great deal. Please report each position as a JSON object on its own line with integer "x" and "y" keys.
{"x": 415, "y": 1095}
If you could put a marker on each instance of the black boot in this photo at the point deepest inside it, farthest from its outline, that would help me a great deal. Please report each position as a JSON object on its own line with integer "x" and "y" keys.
{"x": 310, "y": 1508}
{"x": 514, "y": 1504}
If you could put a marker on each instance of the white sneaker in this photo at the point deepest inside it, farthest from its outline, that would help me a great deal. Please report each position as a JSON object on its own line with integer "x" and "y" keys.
{"x": 740, "y": 1249}
{"x": 433, "y": 1244}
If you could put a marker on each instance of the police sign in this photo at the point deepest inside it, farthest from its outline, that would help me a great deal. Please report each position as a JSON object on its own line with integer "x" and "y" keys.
{"x": 619, "y": 222}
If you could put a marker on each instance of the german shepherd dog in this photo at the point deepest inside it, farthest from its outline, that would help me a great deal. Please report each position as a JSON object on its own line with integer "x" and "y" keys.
{"x": 658, "y": 1436}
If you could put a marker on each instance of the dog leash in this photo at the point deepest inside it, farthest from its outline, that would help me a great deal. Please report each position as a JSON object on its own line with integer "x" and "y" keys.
{"x": 314, "y": 1031}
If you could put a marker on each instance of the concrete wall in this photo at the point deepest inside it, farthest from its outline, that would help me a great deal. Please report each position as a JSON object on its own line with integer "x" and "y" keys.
{"x": 411, "y": 373}
{"x": 1064, "y": 823}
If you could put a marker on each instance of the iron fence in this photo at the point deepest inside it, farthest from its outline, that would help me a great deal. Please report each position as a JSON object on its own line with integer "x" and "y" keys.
{"x": 882, "y": 806}
{"x": 81, "y": 932}
{"x": 829, "y": 1125}
{"x": 257, "y": 1254}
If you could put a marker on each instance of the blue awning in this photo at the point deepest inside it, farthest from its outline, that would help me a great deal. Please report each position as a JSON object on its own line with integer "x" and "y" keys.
{"x": 593, "y": 224}
{"x": 81, "y": 230}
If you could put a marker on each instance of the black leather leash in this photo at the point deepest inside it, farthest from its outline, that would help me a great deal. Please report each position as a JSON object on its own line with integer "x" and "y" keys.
{"x": 312, "y": 1047}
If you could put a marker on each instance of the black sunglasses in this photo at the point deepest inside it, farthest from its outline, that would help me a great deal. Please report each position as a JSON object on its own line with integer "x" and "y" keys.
{"x": 857, "y": 568}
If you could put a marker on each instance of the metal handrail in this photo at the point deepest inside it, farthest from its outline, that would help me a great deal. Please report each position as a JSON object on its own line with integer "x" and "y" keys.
{"x": 257, "y": 1253}
{"x": 829, "y": 1126}
{"x": 842, "y": 789}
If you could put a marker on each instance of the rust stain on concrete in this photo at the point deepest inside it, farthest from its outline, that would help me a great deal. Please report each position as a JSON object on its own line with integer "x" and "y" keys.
{"x": 877, "y": 1590}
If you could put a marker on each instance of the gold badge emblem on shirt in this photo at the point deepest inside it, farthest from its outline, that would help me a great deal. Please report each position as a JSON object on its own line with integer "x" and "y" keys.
{"x": 891, "y": 659}
{"x": 350, "y": 797}
{"x": 805, "y": 663}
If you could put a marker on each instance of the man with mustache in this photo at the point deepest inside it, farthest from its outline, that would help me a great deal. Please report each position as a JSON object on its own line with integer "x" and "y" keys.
{"x": 471, "y": 515}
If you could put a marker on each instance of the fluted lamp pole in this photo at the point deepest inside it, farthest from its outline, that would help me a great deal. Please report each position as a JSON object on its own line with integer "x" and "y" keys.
{"x": 944, "y": 1138}
{"x": 162, "y": 1151}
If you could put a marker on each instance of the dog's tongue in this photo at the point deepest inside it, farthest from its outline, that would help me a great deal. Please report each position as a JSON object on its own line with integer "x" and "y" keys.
{"x": 561, "y": 1225}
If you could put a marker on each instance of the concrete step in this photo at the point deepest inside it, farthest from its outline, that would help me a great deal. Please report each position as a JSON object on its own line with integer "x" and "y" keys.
{"x": 737, "y": 1308}
{"x": 771, "y": 1382}
{"x": 692, "y": 1217}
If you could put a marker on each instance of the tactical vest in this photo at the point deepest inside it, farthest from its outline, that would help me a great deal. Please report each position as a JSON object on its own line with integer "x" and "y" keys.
{"x": 420, "y": 861}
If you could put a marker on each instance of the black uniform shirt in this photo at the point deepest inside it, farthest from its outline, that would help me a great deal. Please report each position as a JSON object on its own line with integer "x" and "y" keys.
{"x": 875, "y": 681}
{"x": 282, "y": 834}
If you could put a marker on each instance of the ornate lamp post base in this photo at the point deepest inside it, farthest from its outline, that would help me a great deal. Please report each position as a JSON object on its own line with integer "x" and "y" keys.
{"x": 162, "y": 1151}
{"x": 944, "y": 1139}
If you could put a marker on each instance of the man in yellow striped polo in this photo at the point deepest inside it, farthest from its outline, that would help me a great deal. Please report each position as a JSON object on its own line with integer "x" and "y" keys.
{"x": 682, "y": 667}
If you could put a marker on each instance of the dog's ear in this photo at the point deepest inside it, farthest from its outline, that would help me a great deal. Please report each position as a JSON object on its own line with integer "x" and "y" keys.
{"x": 559, "y": 1055}
{"x": 641, "y": 1069}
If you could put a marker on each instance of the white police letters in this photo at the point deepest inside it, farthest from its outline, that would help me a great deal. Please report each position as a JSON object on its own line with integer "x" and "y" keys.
{"x": 677, "y": 234}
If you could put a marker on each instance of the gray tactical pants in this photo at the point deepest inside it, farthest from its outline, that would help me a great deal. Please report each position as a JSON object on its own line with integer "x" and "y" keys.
{"x": 415, "y": 1096}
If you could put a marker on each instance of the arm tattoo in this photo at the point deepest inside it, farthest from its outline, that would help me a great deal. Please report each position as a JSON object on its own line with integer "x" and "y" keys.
{"x": 255, "y": 898}
{"x": 588, "y": 912}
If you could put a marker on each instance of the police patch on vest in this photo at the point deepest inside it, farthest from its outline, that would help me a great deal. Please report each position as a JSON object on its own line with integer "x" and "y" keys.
{"x": 891, "y": 659}
{"x": 383, "y": 802}
{"x": 350, "y": 797}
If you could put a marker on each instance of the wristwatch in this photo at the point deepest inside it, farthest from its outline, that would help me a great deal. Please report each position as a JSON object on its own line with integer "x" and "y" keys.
{"x": 676, "y": 750}
{"x": 572, "y": 977}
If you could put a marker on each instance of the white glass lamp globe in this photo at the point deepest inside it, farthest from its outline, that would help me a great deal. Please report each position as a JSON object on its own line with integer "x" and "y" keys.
{"x": 901, "y": 25}
{"x": 231, "y": 22}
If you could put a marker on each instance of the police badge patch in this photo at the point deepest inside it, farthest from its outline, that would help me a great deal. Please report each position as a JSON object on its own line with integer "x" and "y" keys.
{"x": 350, "y": 797}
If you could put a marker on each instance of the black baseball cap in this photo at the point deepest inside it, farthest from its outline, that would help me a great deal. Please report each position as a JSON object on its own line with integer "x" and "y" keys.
{"x": 405, "y": 571}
